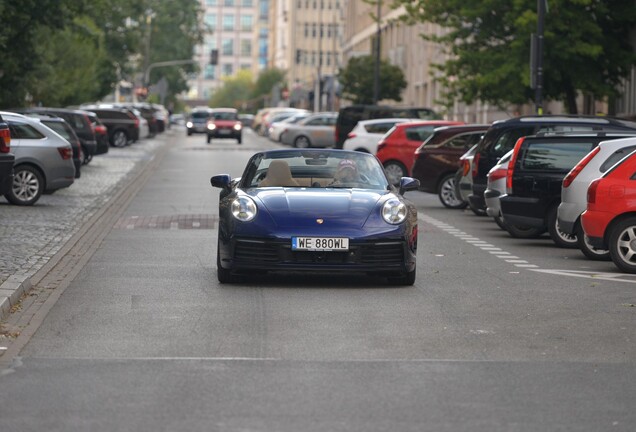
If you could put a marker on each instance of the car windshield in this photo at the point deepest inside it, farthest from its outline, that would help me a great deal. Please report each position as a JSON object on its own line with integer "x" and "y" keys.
{"x": 315, "y": 169}
{"x": 224, "y": 115}
{"x": 200, "y": 115}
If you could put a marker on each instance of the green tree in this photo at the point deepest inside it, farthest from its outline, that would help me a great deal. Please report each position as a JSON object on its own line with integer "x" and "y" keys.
{"x": 265, "y": 82}
{"x": 235, "y": 92}
{"x": 586, "y": 47}
{"x": 357, "y": 80}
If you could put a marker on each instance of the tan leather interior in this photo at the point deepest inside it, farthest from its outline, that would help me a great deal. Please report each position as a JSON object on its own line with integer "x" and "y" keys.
{"x": 278, "y": 174}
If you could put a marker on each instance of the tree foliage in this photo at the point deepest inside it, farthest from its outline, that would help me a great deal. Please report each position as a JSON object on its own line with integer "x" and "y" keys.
{"x": 267, "y": 79}
{"x": 487, "y": 42}
{"x": 357, "y": 80}
{"x": 235, "y": 91}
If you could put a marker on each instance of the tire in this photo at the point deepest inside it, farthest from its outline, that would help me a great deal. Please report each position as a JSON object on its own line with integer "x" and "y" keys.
{"x": 27, "y": 186}
{"x": 223, "y": 275}
{"x": 588, "y": 250}
{"x": 209, "y": 139}
{"x": 560, "y": 238}
{"x": 239, "y": 140}
{"x": 87, "y": 157}
{"x": 119, "y": 139}
{"x": 189, "y": 133}
{"x": 407, "y": 279}
{"x": 522, "y": 232}
{"x": 500, "y": 222}
{"x": 394, "y": 171}
{"x": 622, "y": 245}
{"x": 446, "y": 193}
{"x": 302, "y": 142}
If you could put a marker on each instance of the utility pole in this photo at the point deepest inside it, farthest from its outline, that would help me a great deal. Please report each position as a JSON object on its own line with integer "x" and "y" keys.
{"x": 538, "y": 98}
{"x": 376, "y": 71}
{"x": 317, "y": 93}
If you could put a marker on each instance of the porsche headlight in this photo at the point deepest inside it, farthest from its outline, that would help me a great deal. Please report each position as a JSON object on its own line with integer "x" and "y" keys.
{"x": 394, "y": 211}
{"x": 244, "y": 209}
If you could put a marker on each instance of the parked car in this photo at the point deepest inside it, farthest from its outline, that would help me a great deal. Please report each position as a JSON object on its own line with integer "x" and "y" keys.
{"x": 349, "y": 116}
{"x": 609, "y": 221}
{"x": 502, "y": 136}
{"x": 278, "y": 117}
{"x": 464, "y": 178}
{"x": 260, "y": 119}
{"x": 198, "y": 121}
{"x": 293, "y": 210}
{"x": 63, "y": 129}
{"x": 101, "y": 133}
{"x": 43, "y": 160}
{"x": 574, "y": 190}
{"x": 317, "y": 130}
{"x": 536, "y": 170}
{"x": 496, "y": 188}
{"x": 437, "y": 160}
{"x": 83, "y": 124}
{"x": 122, "y": 124}
{"x": 246, "y": 120}
{"x": 224, "y": 123}
{"x": 277, "y": 128}
{"x": 7, "y": 158}
{"x": 397, "y": 148}
{"x": 366, "y": 135}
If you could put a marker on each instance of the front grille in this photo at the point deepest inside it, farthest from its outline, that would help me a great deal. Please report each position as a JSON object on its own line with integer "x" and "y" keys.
{"x": 382, "y": 253}
{"x": 255, "y": 251}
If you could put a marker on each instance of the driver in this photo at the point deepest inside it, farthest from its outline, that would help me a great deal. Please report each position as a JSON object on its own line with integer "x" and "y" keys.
{"x": 347, "y": 172}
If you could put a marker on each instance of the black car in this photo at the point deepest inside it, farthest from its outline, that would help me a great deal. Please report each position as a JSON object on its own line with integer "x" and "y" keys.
{"x": 349, "y": 117}
{"x": 535, "y": 174}
{"x": 81, "y": 123}
{"x": 503, "y": 134}
{"x": 59, "y": 125}
{"x": 6, "y": 158}
{"x": 122, "y": 124}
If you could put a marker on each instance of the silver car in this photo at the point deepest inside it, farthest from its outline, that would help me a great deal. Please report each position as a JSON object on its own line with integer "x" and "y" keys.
{"x": 276, "y": 129}
{"x": 497, "y": 187}
{"x": 574, "y": 189}
{"x": 464, "y": 179}
{"x": 317, "y": 130}
{"x": 43, "y": 160}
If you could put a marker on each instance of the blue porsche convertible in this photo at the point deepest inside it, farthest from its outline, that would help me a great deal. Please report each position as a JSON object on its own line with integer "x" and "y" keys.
{"x": 316, "y": 210}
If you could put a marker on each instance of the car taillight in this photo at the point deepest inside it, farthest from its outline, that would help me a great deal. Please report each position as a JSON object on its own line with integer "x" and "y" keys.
{"x": 476, "y": 164}
{"x": 591, "y": 191}
{"x": 133, "y": 117}
{"x": 511, "y": 165}
{"x": 465, "y": 168}
{"x": 101, "y": 129}
{"x": 65, "y": 152}
{"x": 5, "y": 140}
{"x": 567, "y": 181}
{"x": 497, "y": 174}
{"x": 351, "y": 135}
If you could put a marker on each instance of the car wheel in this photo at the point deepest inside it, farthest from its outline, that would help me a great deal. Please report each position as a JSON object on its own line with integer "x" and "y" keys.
{"x": 209, "y": 139}
{"x": 500, "y": 222}
{"x": 302, "y": 142}
{"x": 588, "y": 250}
{"x": 560, "y": 238}
{"x": 189, "y": 133}
{"x": 622, "y": 245}
{"x": 239, "y": 140}
{"x": 120, "y": 139}
{"x": 87, "y": 157}
{"x": 447, "y": 195}
{"x": 223, "y": 275}
{"x": 394, "y": 171}
{"x": 407, "y": 279}
{"x": 27, "y": 186}
{"x": 524, "y": 232}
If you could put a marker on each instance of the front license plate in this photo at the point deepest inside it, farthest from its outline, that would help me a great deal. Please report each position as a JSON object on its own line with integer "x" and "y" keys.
{"x": 224, "y": 131}
{"x": 320, "y": 243}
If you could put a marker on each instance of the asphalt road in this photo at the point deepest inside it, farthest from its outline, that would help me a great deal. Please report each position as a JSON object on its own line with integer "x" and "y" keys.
{"x": 497, "y": 334}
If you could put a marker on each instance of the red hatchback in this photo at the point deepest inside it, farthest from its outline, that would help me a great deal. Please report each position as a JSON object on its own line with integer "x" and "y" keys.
{"x": 397, "y": 148}
{"x": 609, "y": 221}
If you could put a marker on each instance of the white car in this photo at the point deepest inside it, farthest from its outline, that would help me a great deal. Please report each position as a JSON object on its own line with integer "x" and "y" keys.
{"x": 575, "y": 184}
{"x": 366, "y": 134}
{"x": 464, "y": 179}
{"x": 497, "y": 187}
{"x": 276, "y": 129}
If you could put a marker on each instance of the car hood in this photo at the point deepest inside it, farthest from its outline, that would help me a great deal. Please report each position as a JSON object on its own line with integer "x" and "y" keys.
{"x": 290, "y": 207}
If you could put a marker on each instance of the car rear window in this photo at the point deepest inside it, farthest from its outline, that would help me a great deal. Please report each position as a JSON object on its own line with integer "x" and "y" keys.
{"x": 379, "y": 128}
{"x": 615, "y": 157}
{"x": 419, "y": 133}
{"x": 58, "y": 127}
{"x": 554, "y": 156}
{"x": 24, "y": 131}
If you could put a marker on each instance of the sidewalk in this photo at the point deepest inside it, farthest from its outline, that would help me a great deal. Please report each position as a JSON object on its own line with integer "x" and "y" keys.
{"x": 31, "y": 236}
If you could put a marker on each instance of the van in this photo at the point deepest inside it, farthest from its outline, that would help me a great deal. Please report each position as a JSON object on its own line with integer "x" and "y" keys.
{"x": 349, "y": 116}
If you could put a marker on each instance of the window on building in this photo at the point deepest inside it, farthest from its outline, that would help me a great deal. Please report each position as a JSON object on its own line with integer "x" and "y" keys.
{"x": 313, "y": 30}
{"x": 211, "y": 3}
{"x": 245, "y": 66}
{"x": 228, "y": 2}
{"x": 247, "y": 3}
{"x": 209, "y": 72}
{"x": 299, "y": 4}
{"x": 228, "y": 69}
{"x": 263, "y": 11}
{"x": 328, "y": 59}
{"x": 228, "y": 22}
{"x": 246, "y": 47}
{"x": 306, "y": 30}
{"x": 210, "y": 21}
{"x": 228, "y": 47}
{"x": 322, "y": 30}
{"x": 247, "y": 23}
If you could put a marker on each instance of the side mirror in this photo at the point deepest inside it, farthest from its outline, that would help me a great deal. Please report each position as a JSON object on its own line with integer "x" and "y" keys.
{"x": 408, "y": 184}
{"x": 221, "y": 181}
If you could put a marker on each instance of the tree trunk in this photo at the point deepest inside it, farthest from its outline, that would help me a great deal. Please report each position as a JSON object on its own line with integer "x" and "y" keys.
{"x": 570, "y": 99}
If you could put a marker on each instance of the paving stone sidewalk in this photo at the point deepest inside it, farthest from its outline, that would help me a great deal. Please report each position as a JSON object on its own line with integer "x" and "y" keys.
{"x": 31, "y": 236}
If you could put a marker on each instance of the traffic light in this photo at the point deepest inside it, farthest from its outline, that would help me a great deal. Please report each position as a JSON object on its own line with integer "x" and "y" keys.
{"x": 214, "y": 57}
{"x": 298, "y": 54}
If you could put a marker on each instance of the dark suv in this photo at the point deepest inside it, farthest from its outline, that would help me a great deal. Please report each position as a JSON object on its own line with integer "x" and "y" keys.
{"x": 122, "y": 124}
{"x": 6, "y": 158}
{"x": 535, "y": 174}
{"x": 198, "y": 121}
{"x": 349, "y": 117}
{"x": 503, "y": 134}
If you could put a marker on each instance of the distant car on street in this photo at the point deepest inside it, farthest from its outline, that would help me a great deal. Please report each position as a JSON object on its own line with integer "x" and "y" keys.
{"x": 224, "y": 123}
{"x": 317, "y": 130}
{"x": 197, "y": 121}
{"x": 43, "y": 160}
{"x": 277, "y": 128}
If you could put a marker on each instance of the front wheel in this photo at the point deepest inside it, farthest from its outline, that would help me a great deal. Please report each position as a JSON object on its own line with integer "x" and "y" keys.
{"x": 120, "y": 139}
{"x": 446, "y": 193}
{"x": 588, "y": 250}
{"x": 622, "y": 245}
{"x": 27, "y": 186}
{"x": 209, "y": 139}
{"x": 560, "y": 238}
{"x": 302, "y": 142}
{"x": 87, "y": 157}
{"x": 524, "y": 232}
{"x": 395, "y": 171}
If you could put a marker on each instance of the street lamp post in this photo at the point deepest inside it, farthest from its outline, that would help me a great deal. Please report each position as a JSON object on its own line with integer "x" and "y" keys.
{"x": 376, "y": 71}
{"x": 538, "y": 99}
